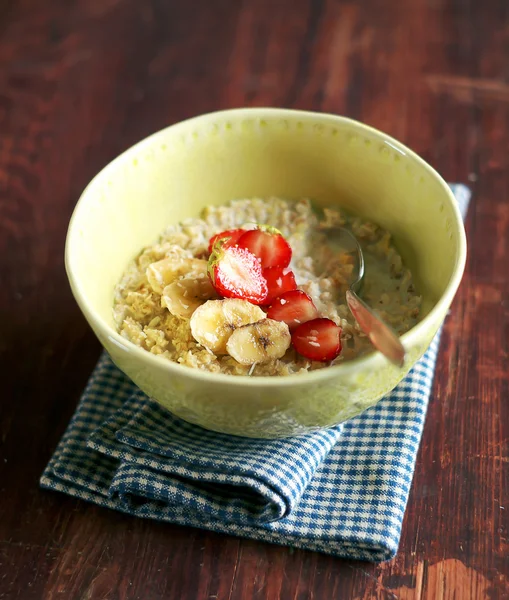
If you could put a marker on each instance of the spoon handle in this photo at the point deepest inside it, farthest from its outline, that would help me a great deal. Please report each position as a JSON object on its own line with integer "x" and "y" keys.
{"x": 381, "y": 336}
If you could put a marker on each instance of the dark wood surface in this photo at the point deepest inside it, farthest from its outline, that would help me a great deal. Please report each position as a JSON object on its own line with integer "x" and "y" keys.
{"x": 80, "y": 81}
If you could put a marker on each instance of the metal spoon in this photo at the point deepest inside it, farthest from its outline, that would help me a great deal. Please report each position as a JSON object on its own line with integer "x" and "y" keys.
{"x": 380, "y": 334}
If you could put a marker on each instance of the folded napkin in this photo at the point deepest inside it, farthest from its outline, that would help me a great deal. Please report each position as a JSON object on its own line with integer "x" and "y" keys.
{"x": 341, "y": 491}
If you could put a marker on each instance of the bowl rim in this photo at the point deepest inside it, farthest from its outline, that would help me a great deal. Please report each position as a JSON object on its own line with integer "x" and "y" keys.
{"x": 370, "y": 362}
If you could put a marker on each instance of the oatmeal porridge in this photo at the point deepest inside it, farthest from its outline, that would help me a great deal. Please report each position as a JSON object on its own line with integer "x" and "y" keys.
{"x": 256, "y": 300}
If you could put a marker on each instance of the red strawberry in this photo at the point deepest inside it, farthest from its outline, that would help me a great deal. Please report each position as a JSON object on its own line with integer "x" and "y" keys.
{"x": 279, "y": 281}
{"x": 268, "y": 245}
{"x": 230, "y": 236}
{"x": 294, "y": 308}
{"x": 319, "y": 339}
{"x": 236, "y": 273}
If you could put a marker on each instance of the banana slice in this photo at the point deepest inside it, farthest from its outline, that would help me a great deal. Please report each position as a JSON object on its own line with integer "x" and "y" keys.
{"x": 213, "y": 323}
{"x": 184, "y": 296}
{"x": 166, "y": 271}
{"x": 259, "y": 342}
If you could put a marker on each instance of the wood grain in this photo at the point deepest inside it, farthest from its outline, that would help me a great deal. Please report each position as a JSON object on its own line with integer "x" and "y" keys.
{"x": 81, "y": 81}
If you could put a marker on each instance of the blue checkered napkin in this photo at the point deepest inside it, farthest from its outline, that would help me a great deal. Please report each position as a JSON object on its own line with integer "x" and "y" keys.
{"x": 341, "y": 492}
{"x": 239, "y": 479}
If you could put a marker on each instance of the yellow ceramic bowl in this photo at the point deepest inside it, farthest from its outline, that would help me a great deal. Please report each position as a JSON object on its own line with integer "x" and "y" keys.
{"x": 244, "y": 153}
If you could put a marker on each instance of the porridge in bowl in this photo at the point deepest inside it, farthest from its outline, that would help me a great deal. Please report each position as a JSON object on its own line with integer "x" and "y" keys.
{"x": 253, "y": 288}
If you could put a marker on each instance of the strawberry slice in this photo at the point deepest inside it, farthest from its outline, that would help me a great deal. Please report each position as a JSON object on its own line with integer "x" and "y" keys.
{"x": 319, "y": 339}
{"x": 279, "y": 280}
{"x": 294, "y": 308}
{"x": 236, "y": 273}
{"x": 229, "y": 237}
{"x": 268, "y": 245}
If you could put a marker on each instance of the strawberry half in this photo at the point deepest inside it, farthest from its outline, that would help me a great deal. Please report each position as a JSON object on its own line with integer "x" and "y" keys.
{"x": 268, "y": 245}
{"x": 229, "y": 237}
{"x": 294, "y": 308}
{"x": 279, "y": 280}
{"x": 236, "y": 273}
{"x": 319, "y": 339}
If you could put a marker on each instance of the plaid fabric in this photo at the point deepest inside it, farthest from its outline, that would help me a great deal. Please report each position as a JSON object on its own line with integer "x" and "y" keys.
{"x": 342, "y": 491}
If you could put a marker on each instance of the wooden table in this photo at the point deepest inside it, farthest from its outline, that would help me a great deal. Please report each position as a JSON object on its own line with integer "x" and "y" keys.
{"x": 82, "y": 80}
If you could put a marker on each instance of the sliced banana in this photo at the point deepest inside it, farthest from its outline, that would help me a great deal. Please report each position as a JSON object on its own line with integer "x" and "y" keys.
{"x": 213, "y": 323}
{"x": 166, "y": 271}
{"x": 259, "y": 342}
{"x": 184, "y": 296}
